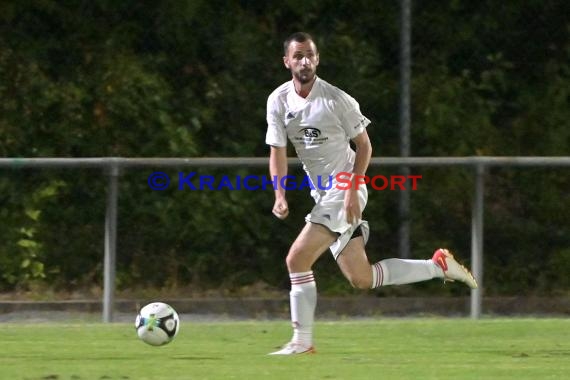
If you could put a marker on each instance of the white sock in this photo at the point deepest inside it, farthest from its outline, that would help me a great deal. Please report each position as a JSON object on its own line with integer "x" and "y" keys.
{"x": 400, "y": 271}
{"x": 303, "y": 297}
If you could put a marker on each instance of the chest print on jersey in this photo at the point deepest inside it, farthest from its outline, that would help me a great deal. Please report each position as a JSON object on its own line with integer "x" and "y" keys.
{"x": 310, "y": 136}
{"x": 300, "y": 130}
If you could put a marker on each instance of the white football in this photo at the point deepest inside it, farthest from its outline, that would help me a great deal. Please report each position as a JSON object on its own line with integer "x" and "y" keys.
{"x": 157, "y": 324}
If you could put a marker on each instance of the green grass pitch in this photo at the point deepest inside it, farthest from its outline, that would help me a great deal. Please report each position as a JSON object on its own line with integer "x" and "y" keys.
{"x": 407, "y": 348}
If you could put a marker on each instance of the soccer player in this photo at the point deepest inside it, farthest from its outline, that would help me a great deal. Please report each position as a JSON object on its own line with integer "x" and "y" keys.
{"x": 320, "y": 120}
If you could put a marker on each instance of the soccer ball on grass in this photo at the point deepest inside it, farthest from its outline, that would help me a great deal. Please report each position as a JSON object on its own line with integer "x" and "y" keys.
{"x": 157, "y": 324}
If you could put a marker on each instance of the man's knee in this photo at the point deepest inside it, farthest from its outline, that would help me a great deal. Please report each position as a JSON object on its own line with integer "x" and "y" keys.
{"x": 296, "y": 260}
{"x": 291, "y": 261}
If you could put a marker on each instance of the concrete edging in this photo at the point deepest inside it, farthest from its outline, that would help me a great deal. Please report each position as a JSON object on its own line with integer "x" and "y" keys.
{"x": 327, "y": 306}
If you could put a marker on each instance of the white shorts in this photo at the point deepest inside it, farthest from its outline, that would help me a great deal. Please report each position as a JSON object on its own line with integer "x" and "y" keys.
{"x": 329, "y": 211}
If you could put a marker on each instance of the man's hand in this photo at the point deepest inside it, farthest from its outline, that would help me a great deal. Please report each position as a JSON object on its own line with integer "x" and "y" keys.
{"x": 280, "y": 208}
{"x": 352, "y": 206}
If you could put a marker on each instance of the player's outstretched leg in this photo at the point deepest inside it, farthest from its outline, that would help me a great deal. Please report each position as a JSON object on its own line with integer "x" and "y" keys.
{"x": 400, "y": 271}
{"x": 452, "y": 270}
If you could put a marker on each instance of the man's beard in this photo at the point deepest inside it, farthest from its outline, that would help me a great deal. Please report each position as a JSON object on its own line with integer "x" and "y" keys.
{"x": 305, "y": 77}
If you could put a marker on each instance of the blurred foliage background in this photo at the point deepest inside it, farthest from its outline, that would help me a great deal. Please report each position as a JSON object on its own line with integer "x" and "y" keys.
{"x": 190, "y": 78}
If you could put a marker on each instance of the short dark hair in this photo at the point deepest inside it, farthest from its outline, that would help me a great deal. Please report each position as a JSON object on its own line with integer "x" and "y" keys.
{"x": 297, "y": 37}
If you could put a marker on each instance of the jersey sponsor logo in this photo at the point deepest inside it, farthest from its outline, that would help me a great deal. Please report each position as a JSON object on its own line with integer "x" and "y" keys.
{"x": 311, "y": 132}
{"x": 309, "y": 136}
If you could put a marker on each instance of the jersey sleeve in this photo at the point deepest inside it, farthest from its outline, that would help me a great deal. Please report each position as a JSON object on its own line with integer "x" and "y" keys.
{"x": 276, "y": 133}
{"x": 352, "y": 120}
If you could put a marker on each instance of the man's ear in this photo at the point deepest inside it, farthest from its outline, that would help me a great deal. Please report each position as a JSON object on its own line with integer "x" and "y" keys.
{"x": 286, "y": 62}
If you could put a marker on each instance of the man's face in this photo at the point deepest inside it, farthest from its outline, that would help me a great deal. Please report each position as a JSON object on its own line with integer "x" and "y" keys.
{"x": 302, "y": 59}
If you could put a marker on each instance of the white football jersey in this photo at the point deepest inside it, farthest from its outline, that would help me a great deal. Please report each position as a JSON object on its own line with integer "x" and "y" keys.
{"x": 319, "y": 126}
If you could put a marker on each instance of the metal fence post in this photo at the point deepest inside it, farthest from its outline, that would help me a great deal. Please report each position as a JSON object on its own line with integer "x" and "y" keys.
{"x": 477, "y": 240}
{"x": 405, "y": 121}
{"x": 110, "y": 244}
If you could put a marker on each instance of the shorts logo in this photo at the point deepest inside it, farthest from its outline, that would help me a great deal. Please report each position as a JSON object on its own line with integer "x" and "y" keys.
{"x": 311, "y": 132}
